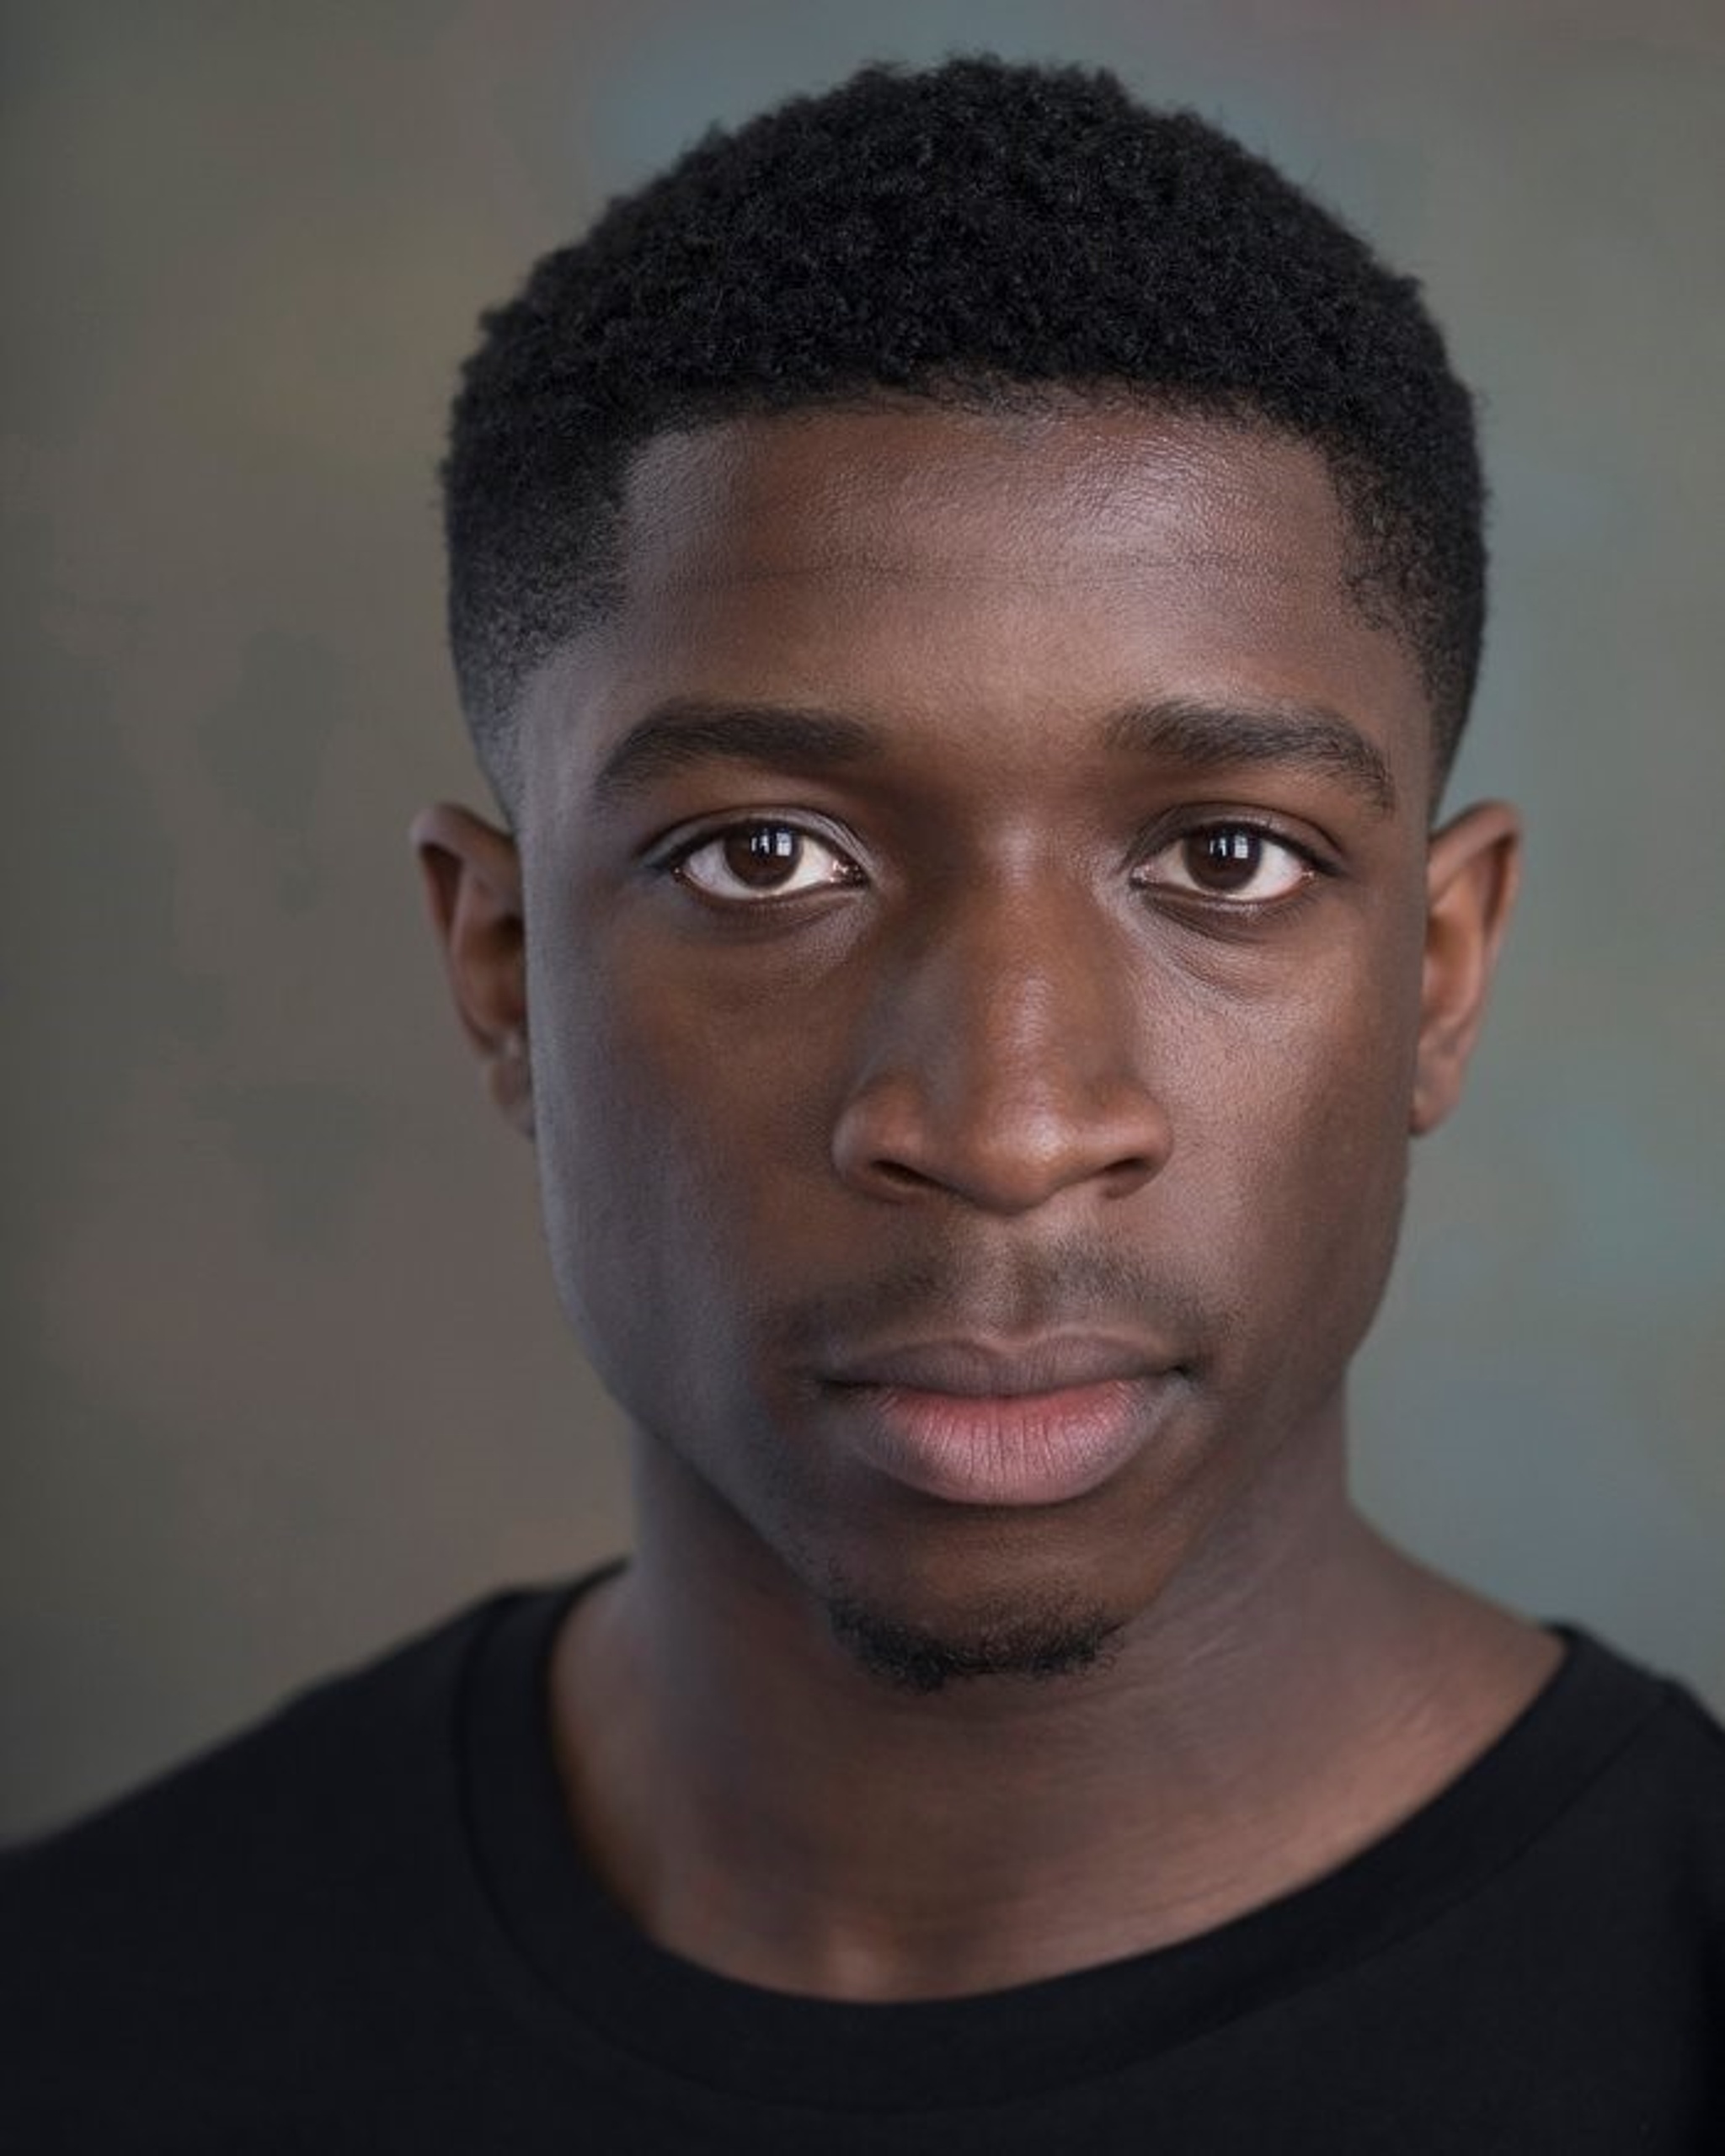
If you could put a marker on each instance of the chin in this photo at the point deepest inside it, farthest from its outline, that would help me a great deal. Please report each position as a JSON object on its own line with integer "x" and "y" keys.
{"x": 923, "y": 1597}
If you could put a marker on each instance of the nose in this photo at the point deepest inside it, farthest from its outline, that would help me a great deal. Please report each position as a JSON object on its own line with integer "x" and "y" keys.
{"x": 1005, "y": 1064}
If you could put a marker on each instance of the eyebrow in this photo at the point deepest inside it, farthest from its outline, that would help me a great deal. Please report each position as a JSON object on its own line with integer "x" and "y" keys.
{"x": 689, "y": 731}
{"x": 1201, "y": 736}
{"x": 1196, "y": 735}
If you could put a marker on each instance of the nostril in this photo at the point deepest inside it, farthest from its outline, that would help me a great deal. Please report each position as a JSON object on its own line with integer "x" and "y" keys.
{"x": 900, "y": 1177}
{"x": 1131, "y": 1172}
{"x": 992, "y": 1164}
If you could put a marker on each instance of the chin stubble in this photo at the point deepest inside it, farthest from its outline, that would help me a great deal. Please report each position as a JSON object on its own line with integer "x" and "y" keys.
{"x": 1058, "y": 1641}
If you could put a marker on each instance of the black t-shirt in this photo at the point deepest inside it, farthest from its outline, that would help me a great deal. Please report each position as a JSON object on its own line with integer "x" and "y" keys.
{"x": 364, "y": 1927}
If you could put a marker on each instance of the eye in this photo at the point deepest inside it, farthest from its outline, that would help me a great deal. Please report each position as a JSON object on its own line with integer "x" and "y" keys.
{"x": 750, "y": 863}
{"x": 1236, "y": 863}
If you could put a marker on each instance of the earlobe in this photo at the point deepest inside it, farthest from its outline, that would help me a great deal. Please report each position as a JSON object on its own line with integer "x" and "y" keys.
{"x": 472, "y": 873}
{"x": 1473, "y": 868}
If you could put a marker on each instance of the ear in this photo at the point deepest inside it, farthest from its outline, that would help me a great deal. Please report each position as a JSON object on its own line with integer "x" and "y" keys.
{"x": 472, "y": 879}
{"x": 1473, "y": 868}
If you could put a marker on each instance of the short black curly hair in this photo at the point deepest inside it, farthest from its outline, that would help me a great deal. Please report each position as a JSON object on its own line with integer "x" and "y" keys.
{"x": 973, "y": 234}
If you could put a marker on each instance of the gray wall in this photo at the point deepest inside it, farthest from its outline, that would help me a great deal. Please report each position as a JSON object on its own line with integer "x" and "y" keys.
{"x": 283, "y": 1373}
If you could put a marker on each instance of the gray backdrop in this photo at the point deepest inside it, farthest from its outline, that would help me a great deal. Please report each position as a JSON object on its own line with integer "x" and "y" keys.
{"x": 283, "y": 1375}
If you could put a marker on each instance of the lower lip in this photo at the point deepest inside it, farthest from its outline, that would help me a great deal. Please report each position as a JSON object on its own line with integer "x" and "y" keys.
{"x": 1017, "y": 1448}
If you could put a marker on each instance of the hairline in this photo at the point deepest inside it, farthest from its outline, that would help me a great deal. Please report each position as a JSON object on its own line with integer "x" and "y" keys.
{"x": 599, "y": 598}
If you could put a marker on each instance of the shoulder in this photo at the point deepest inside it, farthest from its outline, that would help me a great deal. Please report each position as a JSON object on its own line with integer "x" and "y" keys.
{"x": 1658, "y": 1746}
{"x": 1630, "y": 1752}
{"x": 1627, "y": 1879}
{"x": 257, "y": 1796}
{"x": 249, "y": 1905}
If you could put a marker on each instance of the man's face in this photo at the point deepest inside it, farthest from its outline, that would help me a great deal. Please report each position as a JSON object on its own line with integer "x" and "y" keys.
{"x": 975, "y": 893}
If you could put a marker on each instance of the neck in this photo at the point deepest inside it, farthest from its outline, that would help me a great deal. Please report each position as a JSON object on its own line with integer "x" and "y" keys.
{"x": 764, "y": 1808}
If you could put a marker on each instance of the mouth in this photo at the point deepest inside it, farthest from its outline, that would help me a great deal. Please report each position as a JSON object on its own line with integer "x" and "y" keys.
{"x": 972, "y": 1423}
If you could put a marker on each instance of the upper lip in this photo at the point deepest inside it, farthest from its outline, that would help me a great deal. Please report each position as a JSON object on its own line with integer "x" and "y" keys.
{"x": 977, "y": 1367}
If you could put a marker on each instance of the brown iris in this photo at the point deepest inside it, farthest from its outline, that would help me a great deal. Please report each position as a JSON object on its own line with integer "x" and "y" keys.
{"x": 763, "y": 856}
{"x": 1225, "y": 858}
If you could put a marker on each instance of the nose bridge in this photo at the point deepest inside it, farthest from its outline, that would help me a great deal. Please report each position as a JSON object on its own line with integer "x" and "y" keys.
{"x": 1006, "y": 1062}
{"x": 1021, "y": 977}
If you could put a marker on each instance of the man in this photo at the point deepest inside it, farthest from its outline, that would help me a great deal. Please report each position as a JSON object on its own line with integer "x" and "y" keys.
{"x": 967, "y": 592}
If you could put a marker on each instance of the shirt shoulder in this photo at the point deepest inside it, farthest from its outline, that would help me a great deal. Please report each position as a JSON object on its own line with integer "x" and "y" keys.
{"x": 257, "y": 1791}
{"x": 270, "y": 1900}
{"x": 1667, "y": 1752}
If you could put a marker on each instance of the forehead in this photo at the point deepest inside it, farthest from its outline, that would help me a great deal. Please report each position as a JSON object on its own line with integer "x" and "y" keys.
{"x": 921, "y": 490}
{"x": 1025, "y": 566}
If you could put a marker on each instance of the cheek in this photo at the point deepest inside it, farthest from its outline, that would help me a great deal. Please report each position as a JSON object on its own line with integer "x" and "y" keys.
{"x": 672, "y": 1120}
{"x": 1287, "y": 1067}
{"x": 1302, "y": 1166}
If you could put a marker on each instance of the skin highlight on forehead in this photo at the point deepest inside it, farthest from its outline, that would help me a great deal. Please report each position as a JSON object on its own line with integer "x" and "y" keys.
{"x": 701, "y": 503}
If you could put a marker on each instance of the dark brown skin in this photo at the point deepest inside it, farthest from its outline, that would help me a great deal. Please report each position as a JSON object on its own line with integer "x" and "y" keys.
{"x": 991, "y": 1052}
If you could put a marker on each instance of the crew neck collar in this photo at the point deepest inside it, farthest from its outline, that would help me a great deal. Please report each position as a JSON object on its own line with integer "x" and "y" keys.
{"x": 581, "y": 1948}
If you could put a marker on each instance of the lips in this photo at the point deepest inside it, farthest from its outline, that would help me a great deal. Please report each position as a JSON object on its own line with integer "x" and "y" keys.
{"x": 971, "y": 1422}
{"x": 976, "y": 1366}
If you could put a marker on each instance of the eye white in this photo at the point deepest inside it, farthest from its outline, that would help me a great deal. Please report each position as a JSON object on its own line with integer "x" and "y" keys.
{"x": 750, "y": 864}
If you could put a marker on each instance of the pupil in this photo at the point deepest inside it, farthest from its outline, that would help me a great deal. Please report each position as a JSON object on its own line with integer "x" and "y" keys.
{"x": 763, "y": 856}
{"x": 1225, "y": 860}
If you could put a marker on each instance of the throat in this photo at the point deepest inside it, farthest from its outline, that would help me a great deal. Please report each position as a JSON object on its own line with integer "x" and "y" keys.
{"x": 931, "y": 1827}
